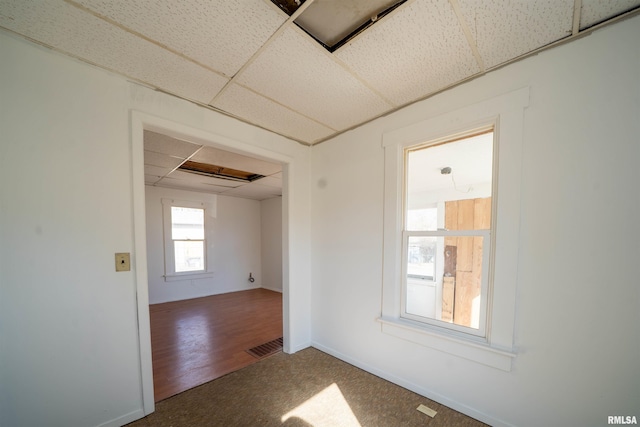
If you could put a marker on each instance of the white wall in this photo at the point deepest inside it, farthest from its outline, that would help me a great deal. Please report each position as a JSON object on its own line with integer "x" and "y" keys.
{"x": 68, "y": 337}
{"x": 271, "y": 223}
{"x": 69, "y": 353}
{"x": 577, "y": 319}
{"x": 233, "y": 238}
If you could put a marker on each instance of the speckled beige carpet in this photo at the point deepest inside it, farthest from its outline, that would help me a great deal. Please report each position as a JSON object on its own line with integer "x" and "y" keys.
{"x": 309, "y": 388}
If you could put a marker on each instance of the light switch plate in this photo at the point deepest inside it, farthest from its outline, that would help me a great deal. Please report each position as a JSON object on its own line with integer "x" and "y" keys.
{"x": 123, "y": 262}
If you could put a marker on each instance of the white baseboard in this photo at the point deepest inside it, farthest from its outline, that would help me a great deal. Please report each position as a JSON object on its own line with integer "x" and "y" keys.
{"x": 125, "y": 419}
{"x": 429, "y": 394}
{"x": 216, "y": 292}
{"x": 297, "y": 348}
{"x": 272, "y": 289}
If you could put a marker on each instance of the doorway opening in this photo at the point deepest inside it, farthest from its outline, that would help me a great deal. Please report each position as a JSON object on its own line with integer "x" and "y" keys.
{"x": 223, "y": 200}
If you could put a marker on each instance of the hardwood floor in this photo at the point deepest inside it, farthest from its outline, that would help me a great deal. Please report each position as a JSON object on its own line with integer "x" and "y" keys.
{"x": 198, "y": 340}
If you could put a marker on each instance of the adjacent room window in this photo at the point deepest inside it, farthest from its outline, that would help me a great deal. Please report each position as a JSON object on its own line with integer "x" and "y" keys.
{"x": 446, "y": 237}
{"x": 187, "y": 233}
{"x": 185, "y": 241}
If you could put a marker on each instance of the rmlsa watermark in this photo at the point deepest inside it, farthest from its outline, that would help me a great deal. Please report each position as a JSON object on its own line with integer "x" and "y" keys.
{"x": 622, "y": 419}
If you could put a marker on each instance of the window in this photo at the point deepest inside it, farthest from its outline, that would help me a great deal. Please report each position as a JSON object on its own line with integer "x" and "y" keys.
{"x": 450, "y": 255}
{"x": 185, "y": 243}
{"x": 187, "y": 233}
{"x": 447, "y": 232}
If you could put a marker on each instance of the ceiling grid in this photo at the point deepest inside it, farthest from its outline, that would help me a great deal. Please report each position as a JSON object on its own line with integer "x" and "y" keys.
{"x": 250, "y": 60}
{"x": 257, "y": 53}
{"x": 577, "y": 8}
{"x": 144, "y": 37}
{"x": 467, "y": 32}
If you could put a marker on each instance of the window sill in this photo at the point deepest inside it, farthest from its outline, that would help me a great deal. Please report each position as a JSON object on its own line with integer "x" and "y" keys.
{"x": 474, "y": 351}
{"x": 188, "y": 276}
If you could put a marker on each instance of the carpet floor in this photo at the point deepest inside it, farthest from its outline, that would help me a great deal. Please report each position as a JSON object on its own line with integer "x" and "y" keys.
{"x": 308, "y": 388}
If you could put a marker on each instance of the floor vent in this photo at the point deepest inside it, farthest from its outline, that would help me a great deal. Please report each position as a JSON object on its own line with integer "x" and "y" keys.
{"x": 266, "y": 349}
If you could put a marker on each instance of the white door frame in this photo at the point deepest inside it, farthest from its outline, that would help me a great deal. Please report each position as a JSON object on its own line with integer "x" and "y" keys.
{"x": 139, "y": 123}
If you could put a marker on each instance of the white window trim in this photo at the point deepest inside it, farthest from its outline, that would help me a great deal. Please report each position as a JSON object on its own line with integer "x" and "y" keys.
{"x": 506, "y": 114}
{"x": 170, "y": 275}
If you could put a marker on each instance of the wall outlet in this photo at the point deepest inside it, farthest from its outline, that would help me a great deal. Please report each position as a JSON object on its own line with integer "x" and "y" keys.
{"x": 123, "y": 262}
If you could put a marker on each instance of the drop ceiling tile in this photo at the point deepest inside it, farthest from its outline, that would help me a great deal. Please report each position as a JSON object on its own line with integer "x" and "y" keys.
{"x": 596, "y": 11}
{"x": 297, "y": 72}
{"x": 151, "y": 179}
{"x": 220, "y": 34}
{"x": 254, "y": 191}
{"x": 506, "y": 29}
{"x": 162, "y": 160}
{"x": 73, "y": 31}
{"x": 214, "y": 156}
{"x": 270, "y": 181}
{"x": 241, "y": 102}
{"x": 416, "y": 50}
{"x": 156, "y": 171}
{"x": 202, "y": 179}
{"x": 163, "y": 144}
{"x": 193, "y": 186}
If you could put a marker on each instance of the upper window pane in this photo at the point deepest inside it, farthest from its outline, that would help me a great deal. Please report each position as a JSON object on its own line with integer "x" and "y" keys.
{"x": 187, "y": 223}
{"x": 437, "y": 174}
{"x": 422, "y": 219}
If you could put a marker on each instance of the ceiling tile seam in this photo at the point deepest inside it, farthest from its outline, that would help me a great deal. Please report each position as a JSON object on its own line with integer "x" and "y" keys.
{"x": 345, "y": 67}
{"x": 617, "y": 18}
{"x": 176, "y": 187}
{"x": 287, "y": 107}
{"x": 282, "y": 134}
{"x": 181, "y": 163}
{"x": 203, "y": 105}
{"x": 148, "y": 39}
{"x": 244, "y": 120}
{"x": 286, "y": 24}
{"x": 400, "y": 107}
{"x": 151, "y": 86}
{"x": 467, "y": 33}
{"x": 364, "y": 82}
{"x": 560, "y": 42}
{"x": 564, "y": 40}
{"x": 129, "y": 77}
{"x": 577, "y": 14}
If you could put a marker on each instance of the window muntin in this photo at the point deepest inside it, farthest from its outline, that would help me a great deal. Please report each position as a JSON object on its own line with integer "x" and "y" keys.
{"x": 446, "y": 238}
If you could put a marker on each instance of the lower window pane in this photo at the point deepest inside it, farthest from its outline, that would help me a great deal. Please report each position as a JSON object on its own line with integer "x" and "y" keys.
{"x": 422, "y": 257}
{"x": 444, "y": 279}
{"x": 189, "y": 255}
